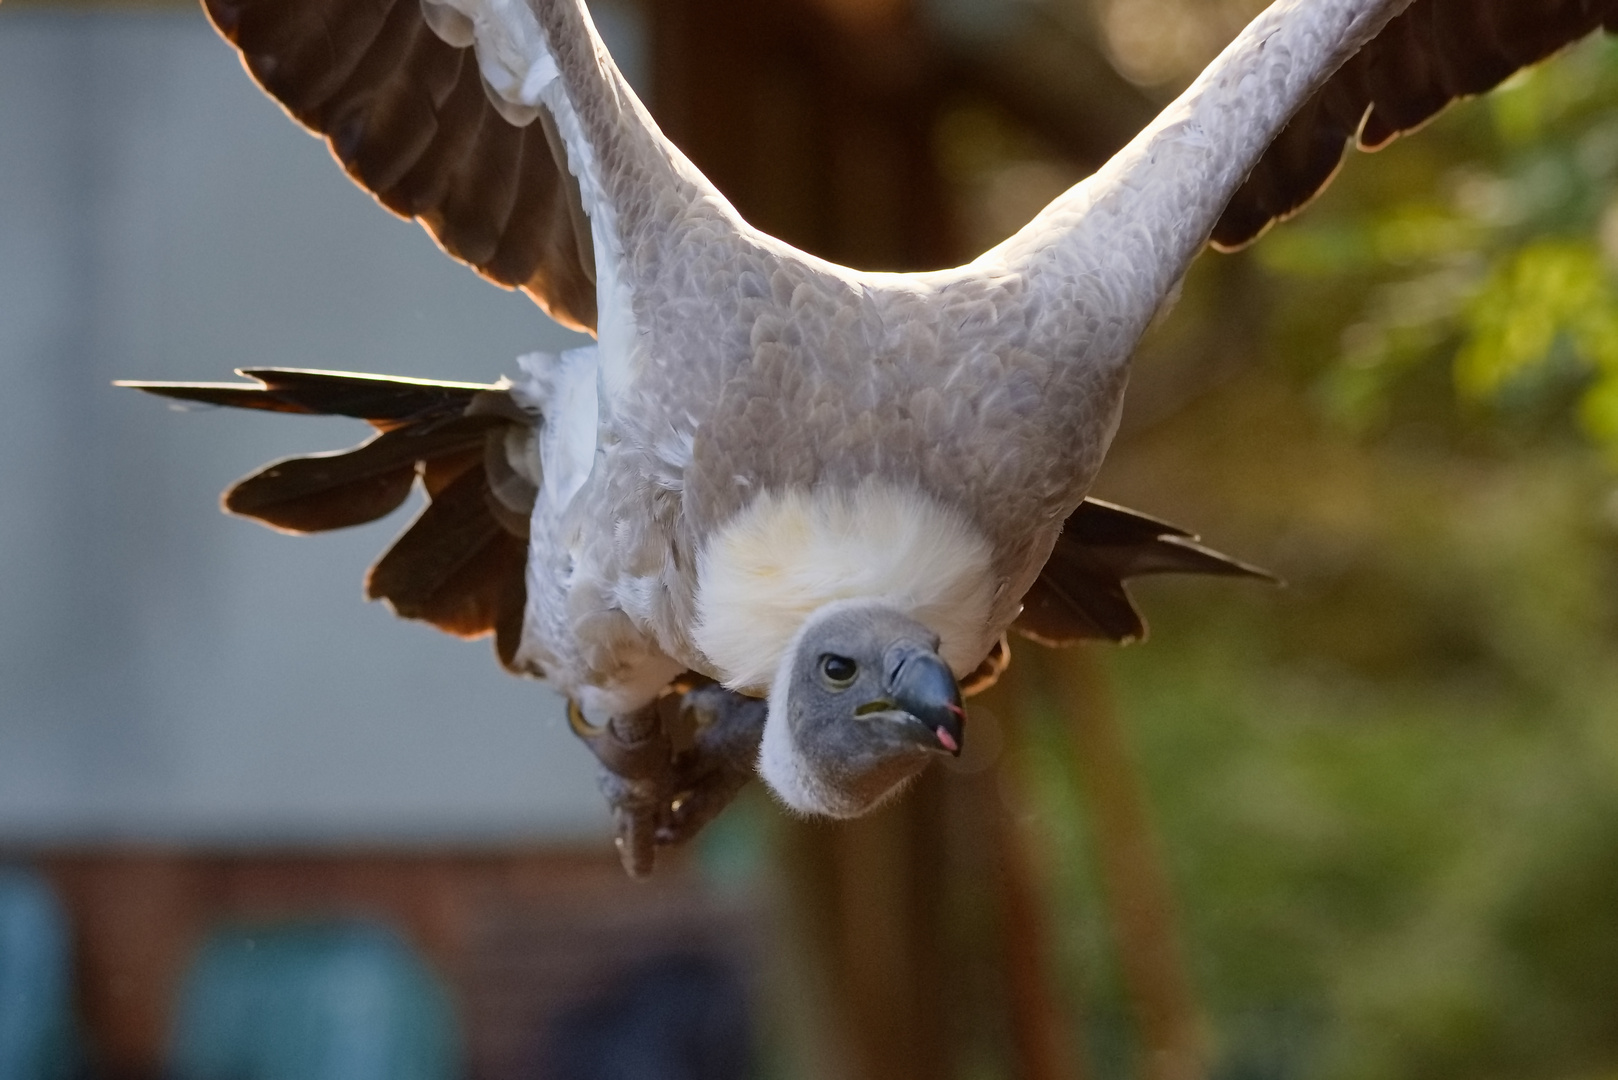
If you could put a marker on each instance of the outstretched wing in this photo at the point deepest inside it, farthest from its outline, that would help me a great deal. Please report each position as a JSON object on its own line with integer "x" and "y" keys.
{"x": 1434, "y": 53}
{"x": 405, "y": 110}
{"x": 1081, "y": 595}
{"x": 460, "y": 564}
{"x": 408, "y": 116}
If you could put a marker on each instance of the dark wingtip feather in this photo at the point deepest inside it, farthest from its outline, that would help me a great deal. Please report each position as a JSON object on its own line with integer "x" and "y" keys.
{"x": 281, "y": 378}
{"x": 383, "y": 400}
{"x": 1081, "y": 595}
{"x": 379, "y": 399}
{"x": 1079, "y": 605}
{"x": 1185, "y": 555}
{"x": 319, "y": 493}
{"x": 460, "y": 564}
{"x": 456, "y": 568}
{"x": 1097, "y": 521}
{"x": 234, "y": 395}
{"x": 1433, "y": 53}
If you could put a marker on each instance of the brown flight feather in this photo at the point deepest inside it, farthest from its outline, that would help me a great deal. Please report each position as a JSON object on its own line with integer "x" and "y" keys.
{"x": 1080, "y": 593}
{"x": 407, "y": 116}
{"x": 1432, "y": 54}
{"x": 460, "y": 564}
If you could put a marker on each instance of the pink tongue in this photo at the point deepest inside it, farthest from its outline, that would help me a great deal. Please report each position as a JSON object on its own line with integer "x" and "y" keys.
{"x": 948, "y": 743}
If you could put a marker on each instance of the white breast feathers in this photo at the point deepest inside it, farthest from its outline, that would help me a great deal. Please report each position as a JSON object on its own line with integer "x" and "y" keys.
{"x": 791, "y": 552}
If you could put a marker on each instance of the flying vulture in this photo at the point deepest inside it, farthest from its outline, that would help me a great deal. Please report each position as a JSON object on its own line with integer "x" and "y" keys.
{"x": 782, "y": 513}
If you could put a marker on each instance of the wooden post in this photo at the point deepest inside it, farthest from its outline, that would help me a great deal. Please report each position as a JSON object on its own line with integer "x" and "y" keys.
{"x": 1136, "y": 885}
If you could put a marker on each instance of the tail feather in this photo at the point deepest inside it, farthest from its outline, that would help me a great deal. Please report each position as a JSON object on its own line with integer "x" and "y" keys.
{"x": 383, "y": 400}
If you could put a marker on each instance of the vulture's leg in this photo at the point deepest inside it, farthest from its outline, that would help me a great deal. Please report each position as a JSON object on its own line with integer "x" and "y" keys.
{"x": 639, "y": 760}
{"x": 727, "y": 728}
{"x": 663, "y": 797}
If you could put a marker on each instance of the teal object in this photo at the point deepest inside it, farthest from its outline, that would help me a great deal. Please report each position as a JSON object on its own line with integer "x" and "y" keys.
{"x": 37, "y": 1031}
{"x": 314, "y": 1001}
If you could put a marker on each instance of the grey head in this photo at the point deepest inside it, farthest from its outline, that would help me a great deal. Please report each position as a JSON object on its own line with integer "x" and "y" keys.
{"x": 859, "y": 706}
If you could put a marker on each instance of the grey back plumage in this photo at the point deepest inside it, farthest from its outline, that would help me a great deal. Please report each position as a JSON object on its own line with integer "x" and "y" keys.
{"x": 730, "y": 364}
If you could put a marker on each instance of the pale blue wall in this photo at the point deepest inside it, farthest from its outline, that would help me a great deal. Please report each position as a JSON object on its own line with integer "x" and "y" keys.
{"x": 167, "y": 672}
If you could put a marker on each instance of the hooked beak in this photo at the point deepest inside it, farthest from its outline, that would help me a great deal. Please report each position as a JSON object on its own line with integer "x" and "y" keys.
{"x": 922, "y": 685}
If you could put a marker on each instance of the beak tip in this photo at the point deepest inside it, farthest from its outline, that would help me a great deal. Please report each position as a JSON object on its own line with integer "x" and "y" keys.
{"x": 925, "y": 688}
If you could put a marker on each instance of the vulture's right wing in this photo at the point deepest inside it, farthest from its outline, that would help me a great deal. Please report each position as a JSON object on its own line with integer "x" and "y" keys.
{"x": 408, "y": 116}
{"x": 459, "y": 564}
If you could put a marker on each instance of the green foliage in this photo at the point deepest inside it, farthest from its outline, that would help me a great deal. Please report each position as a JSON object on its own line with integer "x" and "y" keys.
{"x": 1497, "y": 257}
{"x": 1389, "y": 795}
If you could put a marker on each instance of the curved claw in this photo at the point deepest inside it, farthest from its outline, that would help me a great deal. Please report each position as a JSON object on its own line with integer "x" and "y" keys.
{"x": 581, "y": 727}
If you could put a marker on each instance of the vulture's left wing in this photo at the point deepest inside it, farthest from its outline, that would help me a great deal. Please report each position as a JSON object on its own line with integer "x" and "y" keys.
{"x": 1432, "y": 54}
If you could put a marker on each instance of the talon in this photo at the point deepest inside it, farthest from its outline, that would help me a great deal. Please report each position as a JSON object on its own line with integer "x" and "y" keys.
{"x": 637, "y": 855}
{"x": 582, "y": 727}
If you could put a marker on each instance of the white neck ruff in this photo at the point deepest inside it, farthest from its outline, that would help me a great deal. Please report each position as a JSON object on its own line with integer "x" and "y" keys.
{"x": 790, "y": 553}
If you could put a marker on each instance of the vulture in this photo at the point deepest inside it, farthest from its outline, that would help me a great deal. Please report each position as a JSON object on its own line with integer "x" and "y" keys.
{"x": 782, "y": 514}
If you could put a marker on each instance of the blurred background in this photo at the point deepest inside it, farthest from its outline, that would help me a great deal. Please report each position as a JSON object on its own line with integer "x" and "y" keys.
{"x": 1365, "y": 826}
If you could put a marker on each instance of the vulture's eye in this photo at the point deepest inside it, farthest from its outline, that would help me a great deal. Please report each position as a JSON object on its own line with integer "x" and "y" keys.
{"x": 838, "y": 670}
